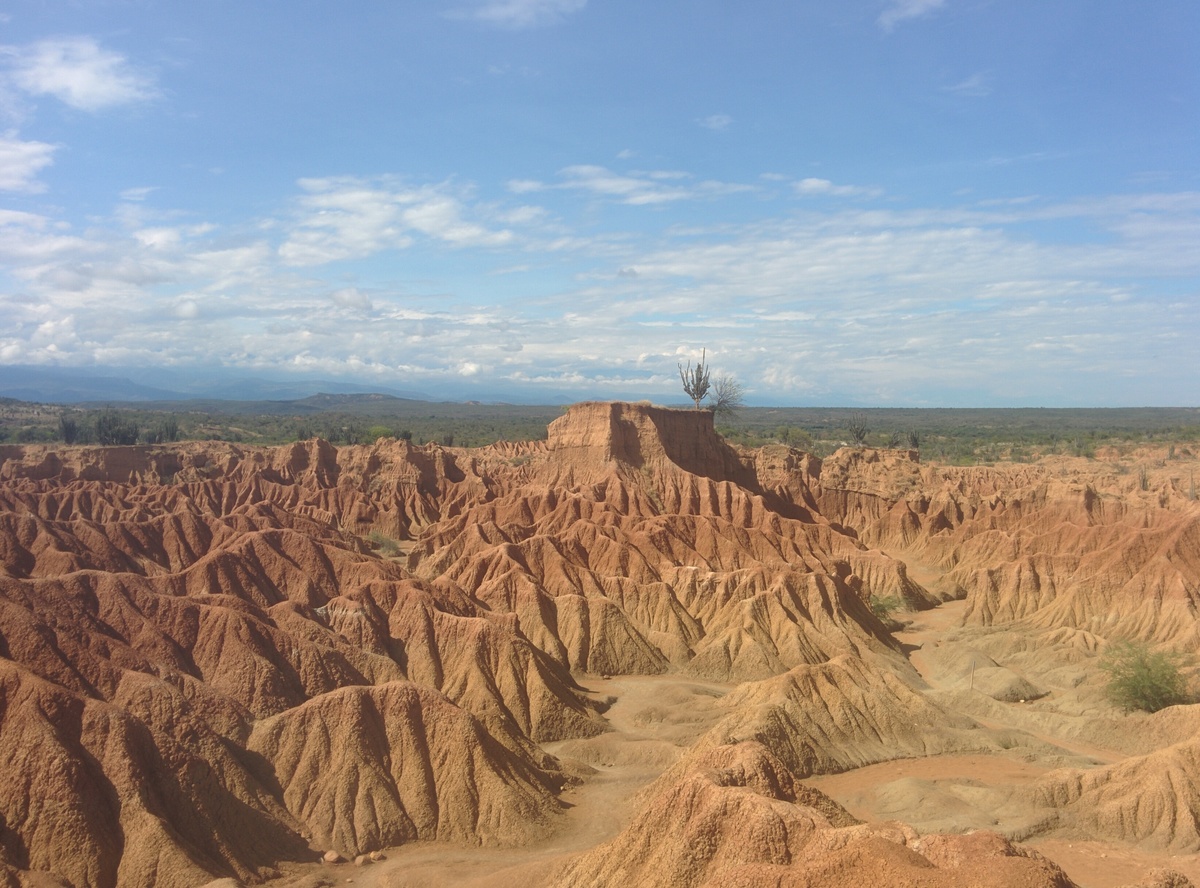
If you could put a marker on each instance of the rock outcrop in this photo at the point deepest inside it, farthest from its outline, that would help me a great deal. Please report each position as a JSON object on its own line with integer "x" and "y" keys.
{"x": 1063, "y": 544}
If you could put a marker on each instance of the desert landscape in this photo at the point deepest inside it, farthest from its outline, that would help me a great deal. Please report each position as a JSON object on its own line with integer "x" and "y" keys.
{"x": 629, "y": 654}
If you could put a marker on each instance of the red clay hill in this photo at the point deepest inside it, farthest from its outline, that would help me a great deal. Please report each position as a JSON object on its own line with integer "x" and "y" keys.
{"x": 223, "y": 662}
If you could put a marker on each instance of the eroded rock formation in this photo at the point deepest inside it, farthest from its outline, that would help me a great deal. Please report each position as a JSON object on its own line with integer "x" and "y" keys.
{"x": 217, "y": 659}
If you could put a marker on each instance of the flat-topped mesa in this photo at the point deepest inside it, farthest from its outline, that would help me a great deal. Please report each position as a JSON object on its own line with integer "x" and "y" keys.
{"x": 599, "y": 433}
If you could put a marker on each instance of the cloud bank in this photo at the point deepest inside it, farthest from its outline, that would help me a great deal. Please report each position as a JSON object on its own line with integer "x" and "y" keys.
{"x": 856, "y": 303}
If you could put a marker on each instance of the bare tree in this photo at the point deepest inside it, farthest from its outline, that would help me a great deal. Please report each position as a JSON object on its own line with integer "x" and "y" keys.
{"x": 695, "y": 382}
{"x": 727, "y": 396}
{"x": 858, "y": 428}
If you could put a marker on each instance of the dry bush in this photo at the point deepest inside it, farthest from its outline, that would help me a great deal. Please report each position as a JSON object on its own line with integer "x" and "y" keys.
{"x": 1142, "y": 678}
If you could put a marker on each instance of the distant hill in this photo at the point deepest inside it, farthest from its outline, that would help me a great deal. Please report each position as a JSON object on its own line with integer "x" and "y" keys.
{"x": 366, "y": 404}
{"x": 52, "y": 386}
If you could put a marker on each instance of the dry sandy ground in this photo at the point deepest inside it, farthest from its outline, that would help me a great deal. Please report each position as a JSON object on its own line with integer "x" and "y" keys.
{"x": 656, "y": 718}
{"x": 907, "y": 789}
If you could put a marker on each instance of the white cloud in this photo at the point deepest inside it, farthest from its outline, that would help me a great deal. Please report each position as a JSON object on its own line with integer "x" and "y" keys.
{"x": 31, "y": 243}
{"x": 20, "y": 163}
{"x": 522, "y": 215}
{"x": 137, "y": 194}
{"x": 824, "y": 186}
{"x": 520, "y": 13}
{"x": 53, "y": 334}
{"x": 635, "y": 187}
{"x": 642, "y": 188}
{"x": 77, "y": 71}
{"x": 625, "y": 188}
{"x": 976, "y": 86}
{"x": 352, "y": 298}
{"x": 525, "y": 186}
{"x": 899, "y": 10}
{"x": 440, "y": 217}
{"x": 159, "y": 238}
{"x": 352, "y": 218}
{"x": 716, "y": 122}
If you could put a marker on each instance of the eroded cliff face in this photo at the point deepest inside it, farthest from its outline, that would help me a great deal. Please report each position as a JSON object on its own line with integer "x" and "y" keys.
{"x": 1065, "y": 543}
{"x": 210, "y": 664}
{"x": 602, "y": 435}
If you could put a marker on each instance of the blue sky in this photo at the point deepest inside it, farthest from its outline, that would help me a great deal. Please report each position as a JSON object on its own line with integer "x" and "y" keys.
{"x": 865, "y": 202}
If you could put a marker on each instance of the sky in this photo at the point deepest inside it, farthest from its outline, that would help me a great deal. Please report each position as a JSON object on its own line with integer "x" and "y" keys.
{"x": 845, "y": 202}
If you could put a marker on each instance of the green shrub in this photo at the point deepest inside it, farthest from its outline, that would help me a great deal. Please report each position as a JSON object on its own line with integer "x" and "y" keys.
{"x": 69, "y": 427}
{"x": 388, "y": 547}
{"x": 1142, "y": 678}
{"x": 112, "y": 429}
{"x": 163, "y": 432}
{"x": 884, "y": 606}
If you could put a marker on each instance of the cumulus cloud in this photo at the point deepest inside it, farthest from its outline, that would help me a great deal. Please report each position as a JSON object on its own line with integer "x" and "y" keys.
{"x": 440, "y": 216}
{"x": 519, "y": 14}
{"x": 78, "y": 72}
{"x": 900, "y": 10}
{"x": 351, "y": 218}
{"x": 30, "y": 242}
{"x": 20, "y": 163}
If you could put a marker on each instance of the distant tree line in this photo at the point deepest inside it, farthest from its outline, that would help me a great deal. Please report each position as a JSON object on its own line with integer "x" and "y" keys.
{"x": 110, "y": 428}
{"x": 954, "y": 436}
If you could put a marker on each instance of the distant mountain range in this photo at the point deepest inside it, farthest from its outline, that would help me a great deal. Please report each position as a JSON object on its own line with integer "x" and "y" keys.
{"x": 52, "y": 385}
{"x": 138, "y": 385}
